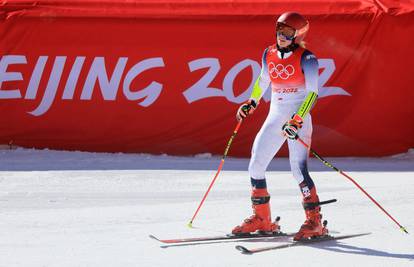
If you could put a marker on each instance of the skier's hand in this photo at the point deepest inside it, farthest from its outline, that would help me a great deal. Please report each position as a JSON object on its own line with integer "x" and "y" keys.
{"x": 290, "y": 128}
{"x": 246, "y": 109}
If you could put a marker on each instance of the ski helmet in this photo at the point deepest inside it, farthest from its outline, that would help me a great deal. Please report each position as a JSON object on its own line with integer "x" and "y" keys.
{"x": 295, "y": 21}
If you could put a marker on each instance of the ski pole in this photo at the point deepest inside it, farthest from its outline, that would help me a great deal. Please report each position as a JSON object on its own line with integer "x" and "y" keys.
{"x": 352, "y": 180}
{"x": 190, "y": 224}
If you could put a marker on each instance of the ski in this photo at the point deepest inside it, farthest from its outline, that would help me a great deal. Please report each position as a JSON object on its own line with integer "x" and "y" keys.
{"x": 220, "y": 237}
{"x": 292, "y": 243}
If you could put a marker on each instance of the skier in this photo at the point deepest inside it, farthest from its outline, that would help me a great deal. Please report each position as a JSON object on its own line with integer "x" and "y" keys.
{"x": 292, "y": 72}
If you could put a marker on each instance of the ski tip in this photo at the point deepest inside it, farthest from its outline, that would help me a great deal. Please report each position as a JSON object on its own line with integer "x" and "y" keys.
{"x": 243, "y": 250}
{"x": 153, "y": 237}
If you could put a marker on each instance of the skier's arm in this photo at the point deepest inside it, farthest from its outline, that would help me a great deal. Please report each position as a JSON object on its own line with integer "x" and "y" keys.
{"x": 259, "y": 88}
{"x": 262, "y": 82}
{"x": 310, "y": 68}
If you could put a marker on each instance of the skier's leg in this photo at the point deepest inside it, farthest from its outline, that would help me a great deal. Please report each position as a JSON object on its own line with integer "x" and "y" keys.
{"x": 266, "y": 144}
{"x": 298, "y": 157}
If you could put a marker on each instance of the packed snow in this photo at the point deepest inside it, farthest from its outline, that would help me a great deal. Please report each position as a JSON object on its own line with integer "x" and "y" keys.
{"x": 62, "y": 209}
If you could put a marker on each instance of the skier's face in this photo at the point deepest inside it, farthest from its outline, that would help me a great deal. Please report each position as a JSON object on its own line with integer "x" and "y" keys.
{"x": 282, "y": 41}
{"x": 284, "y": 35}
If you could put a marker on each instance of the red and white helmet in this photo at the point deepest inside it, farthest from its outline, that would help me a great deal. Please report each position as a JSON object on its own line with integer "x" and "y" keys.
{"x": 297, "y": 22}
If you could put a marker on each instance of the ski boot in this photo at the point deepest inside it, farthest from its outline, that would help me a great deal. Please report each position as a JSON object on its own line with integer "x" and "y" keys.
{"x": 260, "y": 221}
{"x": 312, "y": 227}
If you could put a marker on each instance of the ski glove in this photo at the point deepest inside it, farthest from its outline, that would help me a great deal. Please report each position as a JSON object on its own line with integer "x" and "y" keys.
{"x": 290, "y": 128}
{"x": 246, "y": 109}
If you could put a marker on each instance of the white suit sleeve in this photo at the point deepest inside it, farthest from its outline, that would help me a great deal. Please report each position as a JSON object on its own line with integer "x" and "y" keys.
{"x": 262, "y": 82}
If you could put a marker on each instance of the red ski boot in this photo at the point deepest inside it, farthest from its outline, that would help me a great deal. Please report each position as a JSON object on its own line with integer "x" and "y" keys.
{"x": 260, "y": 221}
{"x": 313, "y": 226}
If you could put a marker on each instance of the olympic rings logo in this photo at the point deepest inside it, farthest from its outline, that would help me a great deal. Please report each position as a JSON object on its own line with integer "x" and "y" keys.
{"x": 284, "y": 72}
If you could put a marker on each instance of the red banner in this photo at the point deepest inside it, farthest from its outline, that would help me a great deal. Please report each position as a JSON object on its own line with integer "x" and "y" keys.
{"x": 168, "y": 77}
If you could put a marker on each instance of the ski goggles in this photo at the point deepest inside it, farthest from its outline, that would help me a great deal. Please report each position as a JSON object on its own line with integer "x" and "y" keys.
{"x": 287, "y": 32}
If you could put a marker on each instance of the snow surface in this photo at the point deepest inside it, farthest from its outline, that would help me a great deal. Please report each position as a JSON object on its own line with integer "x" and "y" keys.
{"x": 97, "y": 209}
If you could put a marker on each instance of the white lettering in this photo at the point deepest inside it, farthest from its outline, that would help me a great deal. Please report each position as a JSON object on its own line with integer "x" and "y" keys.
{"x": 328, "y": 66}
{"x": 310, "y": 56}
{"x": 109, "y": 87}
{"x": 5, "y": 76}
{"x": 201, "y": 88}
{"x": 152, "y": 91}
{"x": 232, "y": 74}
{"x": 97, "y": 76}
{"x": 33, "y": 86}
{"x": 73, "y": 78}
{"x": 51, "y": 87}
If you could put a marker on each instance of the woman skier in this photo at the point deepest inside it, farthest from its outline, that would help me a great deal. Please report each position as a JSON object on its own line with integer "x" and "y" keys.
{"x": 292, "y": 72}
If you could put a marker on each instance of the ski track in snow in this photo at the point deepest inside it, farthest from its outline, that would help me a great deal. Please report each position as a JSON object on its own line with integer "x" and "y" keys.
{"x": 97, "y": 209}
